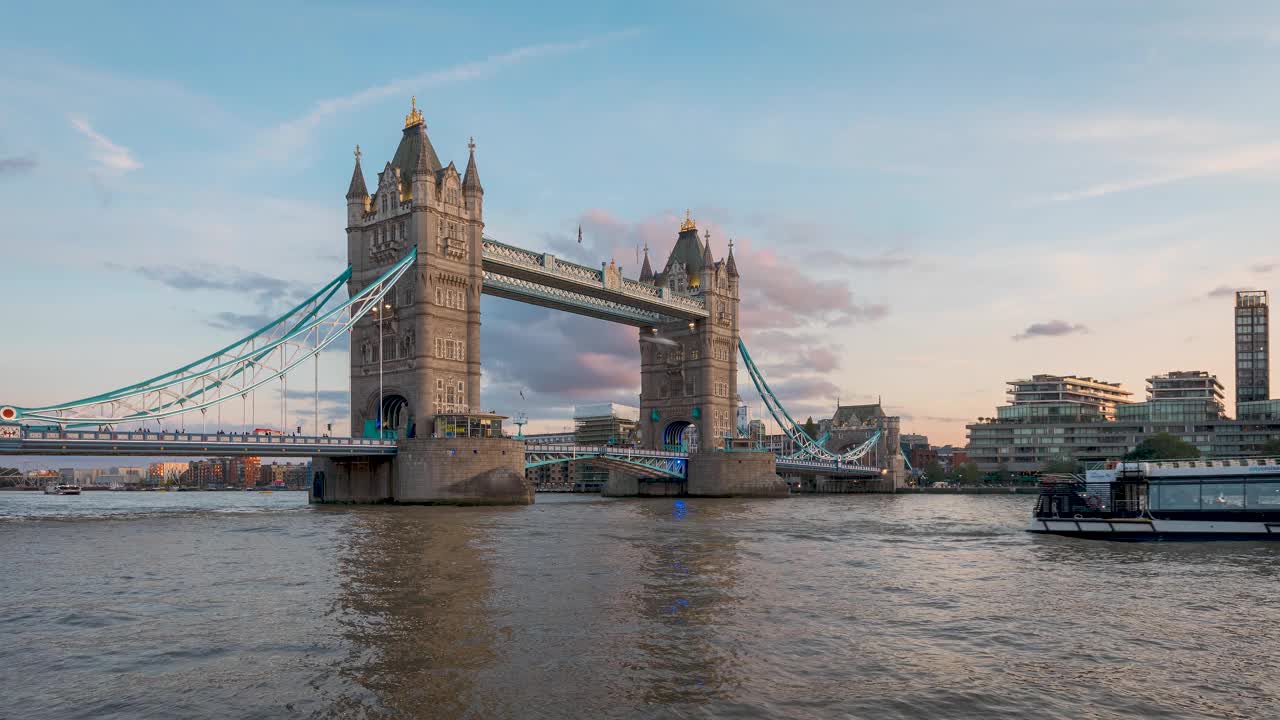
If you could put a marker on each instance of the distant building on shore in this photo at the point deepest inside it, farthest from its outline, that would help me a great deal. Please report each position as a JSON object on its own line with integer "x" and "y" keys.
{"x": 606, "y": 424}
{"x": 1253, "y": 333}
{"x": 1185, "y": 404}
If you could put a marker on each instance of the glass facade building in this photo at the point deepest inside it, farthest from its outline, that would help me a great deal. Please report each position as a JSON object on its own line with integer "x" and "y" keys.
{"x": 1253, "y": 368}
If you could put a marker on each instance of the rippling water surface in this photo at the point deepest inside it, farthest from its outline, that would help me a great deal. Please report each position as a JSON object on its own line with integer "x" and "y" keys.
{"x": 240, "y": 605}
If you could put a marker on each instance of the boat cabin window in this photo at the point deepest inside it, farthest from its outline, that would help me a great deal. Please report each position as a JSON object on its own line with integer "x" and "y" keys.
{"x": 1222, "y": 496}
{"x": 1262, "y": 496}
{"x": 1215, "y": 496}
{"x": 1175, "y": 497}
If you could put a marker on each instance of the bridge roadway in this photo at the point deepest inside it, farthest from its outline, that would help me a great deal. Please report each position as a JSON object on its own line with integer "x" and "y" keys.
{"x": 172, "y": 444}
{"x": 90, "y": 442}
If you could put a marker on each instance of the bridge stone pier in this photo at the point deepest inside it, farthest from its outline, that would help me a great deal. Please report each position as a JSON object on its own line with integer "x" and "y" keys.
{"x": 452, "y": 471}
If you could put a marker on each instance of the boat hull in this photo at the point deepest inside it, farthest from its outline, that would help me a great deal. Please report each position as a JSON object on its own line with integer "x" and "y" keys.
{"x": 1125, "y": 529}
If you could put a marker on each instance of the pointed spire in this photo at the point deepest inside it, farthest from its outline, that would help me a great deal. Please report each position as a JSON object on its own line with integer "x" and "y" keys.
{"x": 357, "y": 189}
{"x": 422, "y": 166}
{"x": 646, "y": 271}
{"x": 471, "y": 181}
{"x": 688, "y": 223}
{"x": 708, "y": 263}
{"x": 415, "y": 115}
{"x": 730, "y": 266}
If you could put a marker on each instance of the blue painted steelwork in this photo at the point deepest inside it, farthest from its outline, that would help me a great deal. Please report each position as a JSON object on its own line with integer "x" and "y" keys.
{"x": 319, "y": 298}
{"x": 653, "y": 463}
{"x": 85, "y": 442}
{"x": 808, "y": 446}
{"x": 197, "y": 383}
{"x": 674, "y": 464}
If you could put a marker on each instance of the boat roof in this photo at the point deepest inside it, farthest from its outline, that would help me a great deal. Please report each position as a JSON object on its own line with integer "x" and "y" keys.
{"x": 1173, "y": 469}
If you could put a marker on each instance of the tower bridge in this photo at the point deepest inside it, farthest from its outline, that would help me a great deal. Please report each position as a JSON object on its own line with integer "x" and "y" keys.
{"x": 418, "y": 262}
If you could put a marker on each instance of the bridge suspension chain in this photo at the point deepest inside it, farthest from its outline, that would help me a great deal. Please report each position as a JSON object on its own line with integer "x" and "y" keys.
{"x": 808, "y": 447}
{"x": 262, "y": 356}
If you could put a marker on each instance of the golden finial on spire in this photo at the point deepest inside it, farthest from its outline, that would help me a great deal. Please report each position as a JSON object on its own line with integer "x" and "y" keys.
{"x": 415, "y": 115}
{"x": 688, "y": 223}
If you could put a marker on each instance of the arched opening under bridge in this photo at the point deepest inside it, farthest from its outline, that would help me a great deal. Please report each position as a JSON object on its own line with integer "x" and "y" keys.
{"x": 398, "y": 416}
{"x": 680, "y": 435}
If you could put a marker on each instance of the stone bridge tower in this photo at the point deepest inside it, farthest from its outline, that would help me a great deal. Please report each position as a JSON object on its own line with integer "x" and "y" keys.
{"x": 689, "y": 370}
{"x": 430, "y": 322}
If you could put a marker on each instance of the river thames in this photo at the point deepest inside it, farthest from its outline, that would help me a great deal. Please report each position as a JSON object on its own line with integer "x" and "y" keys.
{"x": 245, "y": 605}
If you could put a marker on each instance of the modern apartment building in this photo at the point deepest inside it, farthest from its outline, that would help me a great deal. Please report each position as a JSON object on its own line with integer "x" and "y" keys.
{"x": 1186, "y": 404}
{"x": 1185, "y": 385}
{"x": 1061, "y": 398}
{"x": 606, "y": 424}
{"x": 1253, "y": 368}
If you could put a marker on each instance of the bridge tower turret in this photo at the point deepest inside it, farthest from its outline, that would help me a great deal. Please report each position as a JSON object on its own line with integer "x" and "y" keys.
{"x": 688, "y": 370}
{"x": 357, "y": 194}
{"x": 428, "y": 331}
{"x": 430, "y": 322}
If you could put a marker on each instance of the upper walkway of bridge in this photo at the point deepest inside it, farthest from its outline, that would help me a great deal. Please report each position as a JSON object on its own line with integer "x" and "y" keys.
{"x": 544, "y": 279}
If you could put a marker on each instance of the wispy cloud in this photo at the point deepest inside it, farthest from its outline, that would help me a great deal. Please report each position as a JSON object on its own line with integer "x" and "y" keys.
{"x": 287, "y": 137}
{"x": 1163, "y": 149}
{"x": 894, "y": 260}
{"x": 1236, "y": 160}
{"x": 1224, "y": 291}
{"x": 1052, "y": 328}
{"x": 111, "y": 158}
{"x": 265, "y": 288}
{"x": 239, "y": 321}
{"x": 17, "y": 165}
{"x": 1133, "y": 127}
{"x": 1264, "y": 267}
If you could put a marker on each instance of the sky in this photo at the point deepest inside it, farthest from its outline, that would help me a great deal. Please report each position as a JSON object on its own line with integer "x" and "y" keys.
{"x": 926, "y": 199}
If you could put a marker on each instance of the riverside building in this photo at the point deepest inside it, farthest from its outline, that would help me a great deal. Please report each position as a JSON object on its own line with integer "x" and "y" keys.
{"x": 1043, "y": 425}
{"x": 1253, "y": 369}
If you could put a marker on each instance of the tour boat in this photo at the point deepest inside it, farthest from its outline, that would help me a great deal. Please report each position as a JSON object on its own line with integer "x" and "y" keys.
{"x": 1172, "y": 499}
{"x": 61, "y": 489}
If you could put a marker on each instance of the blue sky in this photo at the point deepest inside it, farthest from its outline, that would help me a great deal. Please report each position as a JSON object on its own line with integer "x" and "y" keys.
{"x": 928, "y": 198}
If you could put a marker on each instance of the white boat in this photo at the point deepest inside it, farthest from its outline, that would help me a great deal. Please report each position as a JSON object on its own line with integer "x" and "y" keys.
{"x": 1172, "y": 499}
{"x": 52, "y": 489}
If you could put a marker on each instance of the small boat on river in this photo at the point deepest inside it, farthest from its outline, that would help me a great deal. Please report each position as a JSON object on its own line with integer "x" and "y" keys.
{"x": 1236, "y": 499}
{"x": 61, "y": 489}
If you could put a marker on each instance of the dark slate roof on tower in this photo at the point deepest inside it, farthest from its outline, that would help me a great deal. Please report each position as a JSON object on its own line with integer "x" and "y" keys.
{"x": 646, "y": 272}
{"x": 856, "y": 414}
{"x": 687, "y": 251}
{"x": 414, "y": 143}
{"x": 357, "y": 188}
{"x": 471, "y": 181}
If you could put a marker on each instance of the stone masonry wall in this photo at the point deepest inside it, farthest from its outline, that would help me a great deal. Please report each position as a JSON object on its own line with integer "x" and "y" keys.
{"x": 461, "y": 471}
{"x": 734, "y": 474}
{"x": 353, "y": 480}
